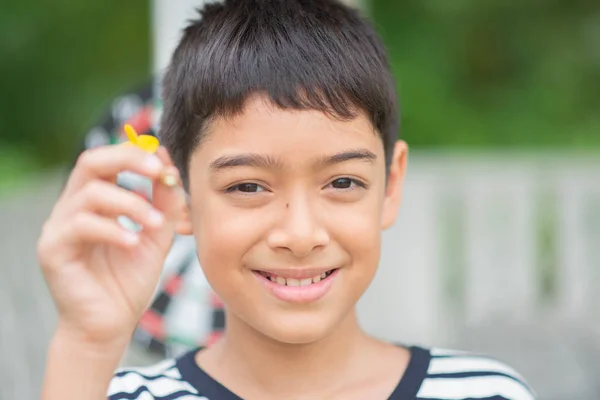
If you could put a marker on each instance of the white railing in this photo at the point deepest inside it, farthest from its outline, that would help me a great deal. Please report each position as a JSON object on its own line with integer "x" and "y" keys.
{"x": 489, "y": 239}
{"x": 499, "y": 254}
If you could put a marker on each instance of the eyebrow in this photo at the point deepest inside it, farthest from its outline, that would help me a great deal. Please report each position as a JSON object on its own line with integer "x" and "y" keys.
{"x": 349, "y": 155}
{"x": 244, "y": 160}
{"x": 265, "y": 161}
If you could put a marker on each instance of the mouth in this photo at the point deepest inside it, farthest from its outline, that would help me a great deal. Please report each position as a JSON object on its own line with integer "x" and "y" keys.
{"x": 294, "y": 282}
{"x": 300, "y": 288}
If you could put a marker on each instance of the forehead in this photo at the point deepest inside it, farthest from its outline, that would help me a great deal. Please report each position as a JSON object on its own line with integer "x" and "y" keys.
{"x": 263, "y": 127}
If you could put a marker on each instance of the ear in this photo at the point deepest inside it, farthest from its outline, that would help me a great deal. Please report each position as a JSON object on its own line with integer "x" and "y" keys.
{"x": 184, "y": 226}
{"x": 395, "y": 182}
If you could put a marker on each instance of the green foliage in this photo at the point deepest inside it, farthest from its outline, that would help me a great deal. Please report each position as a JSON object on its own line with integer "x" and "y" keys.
{"x": 60, "y": 63}
{"x": 501, "y": 73}
{"x": 16, "y": 166}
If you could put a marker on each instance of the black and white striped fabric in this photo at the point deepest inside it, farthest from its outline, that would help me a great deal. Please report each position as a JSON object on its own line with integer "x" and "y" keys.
{"x": 432, "y": 374}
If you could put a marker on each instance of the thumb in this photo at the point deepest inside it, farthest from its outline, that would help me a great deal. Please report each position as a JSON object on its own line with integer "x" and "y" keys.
{"x": 170, "y": 200}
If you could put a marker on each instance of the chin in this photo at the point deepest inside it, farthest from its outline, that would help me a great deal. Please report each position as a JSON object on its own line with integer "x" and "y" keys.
{"x": 298, "y": 328}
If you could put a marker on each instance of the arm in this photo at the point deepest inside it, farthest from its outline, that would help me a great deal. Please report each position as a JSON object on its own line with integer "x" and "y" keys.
{"x": 78, "y": 370}
{"x": 100, "y": 275}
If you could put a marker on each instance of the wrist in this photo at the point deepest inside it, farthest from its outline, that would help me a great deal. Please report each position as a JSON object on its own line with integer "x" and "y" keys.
{"x": 71, "y": 340}
{"x": 79, "y": 368}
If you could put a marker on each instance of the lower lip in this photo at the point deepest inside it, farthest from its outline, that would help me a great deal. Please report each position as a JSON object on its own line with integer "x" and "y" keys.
{"x": 298, "y": 294}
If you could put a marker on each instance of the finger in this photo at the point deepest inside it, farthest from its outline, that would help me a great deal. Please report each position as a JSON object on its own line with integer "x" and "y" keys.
{"x": 106, "y": 162}
{"x": 166, "y": 178}
{"x": 96, "y": 229}
{"x": 166, "y": 197}
{"x": 164, "y": 156}
{"x": 170, "y": 201}
{"x": 109, "y": 200}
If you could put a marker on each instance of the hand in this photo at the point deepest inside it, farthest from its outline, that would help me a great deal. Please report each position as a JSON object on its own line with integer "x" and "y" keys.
{"x": 100, "y": 275}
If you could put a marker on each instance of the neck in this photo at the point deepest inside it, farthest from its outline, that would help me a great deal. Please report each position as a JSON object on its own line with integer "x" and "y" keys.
{"x": 250, "y": 356}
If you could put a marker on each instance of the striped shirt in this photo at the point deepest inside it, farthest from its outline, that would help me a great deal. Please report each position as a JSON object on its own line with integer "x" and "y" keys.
{"x": 432, "y": 374}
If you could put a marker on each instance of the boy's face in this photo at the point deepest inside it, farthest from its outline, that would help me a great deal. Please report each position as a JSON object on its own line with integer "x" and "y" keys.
{"x": 280, "y": 199}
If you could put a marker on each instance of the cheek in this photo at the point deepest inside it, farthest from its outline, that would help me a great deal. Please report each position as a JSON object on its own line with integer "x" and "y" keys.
{"x": 223, "y": 235}
{"x": 358, "y": 231}
{"x": 361, "y": 238}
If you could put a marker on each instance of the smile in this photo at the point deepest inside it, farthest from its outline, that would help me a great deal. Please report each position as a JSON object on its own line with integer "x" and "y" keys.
{"x": 280, "y": 280}
{"x": 300, "y": 287}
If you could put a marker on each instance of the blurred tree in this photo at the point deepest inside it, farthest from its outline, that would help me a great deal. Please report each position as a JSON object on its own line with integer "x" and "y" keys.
{"x": 60, "y": 62}
{"x": 495, "y": 73}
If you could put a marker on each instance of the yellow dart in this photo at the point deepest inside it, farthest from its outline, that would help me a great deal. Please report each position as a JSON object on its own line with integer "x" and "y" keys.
{"x": 131, "y": 133}
{"x": 147, "y": 143}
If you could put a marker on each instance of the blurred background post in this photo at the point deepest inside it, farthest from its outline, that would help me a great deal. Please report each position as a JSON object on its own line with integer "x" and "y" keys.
{"x": 497, "y": 248}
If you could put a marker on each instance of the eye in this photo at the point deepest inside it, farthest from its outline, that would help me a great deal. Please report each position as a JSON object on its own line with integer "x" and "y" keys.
{"x": 246, "y": 188}
{"x": 346, "y": 184}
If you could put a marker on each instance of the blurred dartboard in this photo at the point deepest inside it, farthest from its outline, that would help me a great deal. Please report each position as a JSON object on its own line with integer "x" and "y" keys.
{"x": 184, "y": 312}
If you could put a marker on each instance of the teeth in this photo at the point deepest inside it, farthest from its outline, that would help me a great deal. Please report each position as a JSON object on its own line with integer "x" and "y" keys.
{"x": 292, "y": 282}
{"x": 306, "y": 282}
{"x": 296, "y": 282}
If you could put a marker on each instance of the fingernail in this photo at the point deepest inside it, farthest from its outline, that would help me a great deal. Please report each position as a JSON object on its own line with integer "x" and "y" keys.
{"x": 130, "y": 238}
{"x": 153, "y": 163}
{"x": 169, "y": 180}
{"x": 156, "y": 218}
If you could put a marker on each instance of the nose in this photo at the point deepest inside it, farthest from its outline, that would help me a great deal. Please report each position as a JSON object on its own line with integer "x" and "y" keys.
{"x": 300, "y": 231}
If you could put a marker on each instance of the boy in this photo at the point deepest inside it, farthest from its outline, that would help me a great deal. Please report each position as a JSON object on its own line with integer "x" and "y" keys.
{"x": 281, "y": 117}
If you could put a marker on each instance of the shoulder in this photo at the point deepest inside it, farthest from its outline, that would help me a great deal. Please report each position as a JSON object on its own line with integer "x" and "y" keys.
{"x": 461, "y": 375}
{"x": 162, "y": 380}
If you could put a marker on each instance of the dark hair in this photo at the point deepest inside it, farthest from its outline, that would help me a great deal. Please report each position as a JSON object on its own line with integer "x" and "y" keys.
{"x": 302, "y": 54}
